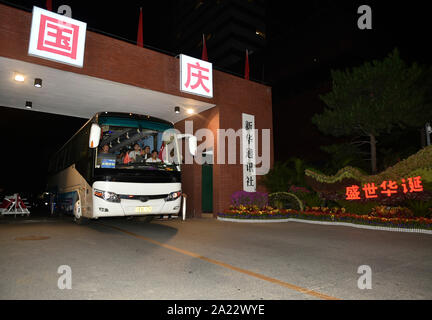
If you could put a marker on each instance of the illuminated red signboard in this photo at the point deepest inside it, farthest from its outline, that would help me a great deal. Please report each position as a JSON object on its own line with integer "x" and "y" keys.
{"x": 387, "y": 187}
{"x": 57, "y": 37}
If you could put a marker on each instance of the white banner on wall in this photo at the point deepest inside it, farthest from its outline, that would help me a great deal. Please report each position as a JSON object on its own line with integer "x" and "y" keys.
{"x": 249, "y": 152}
{"x": 57, "y": 37}
{"x": 196, "y": 76}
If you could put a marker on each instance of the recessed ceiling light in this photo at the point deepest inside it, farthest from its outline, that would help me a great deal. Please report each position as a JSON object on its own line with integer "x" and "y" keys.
{"x": 190, "y": 111}
{"x": 19, "y": 77}
{"x": 29, "y": 105}
{"x": 177, "y": 109}
{"x": 38, "y": 83}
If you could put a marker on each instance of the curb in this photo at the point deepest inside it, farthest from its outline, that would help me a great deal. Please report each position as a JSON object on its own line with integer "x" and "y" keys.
{"x": 328, "y": 223}
{"x": 253, "y": 220}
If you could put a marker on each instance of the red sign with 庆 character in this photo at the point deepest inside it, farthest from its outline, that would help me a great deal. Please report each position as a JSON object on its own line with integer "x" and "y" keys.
{"x": 387, "y": 187}
{"x": 196, "y": 76}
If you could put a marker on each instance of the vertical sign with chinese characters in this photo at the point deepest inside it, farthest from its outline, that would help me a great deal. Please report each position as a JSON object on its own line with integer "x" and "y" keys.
{"x": 196, "y": 76}
{"x": 56, "y": 37}
{"x": 248, "y": 152}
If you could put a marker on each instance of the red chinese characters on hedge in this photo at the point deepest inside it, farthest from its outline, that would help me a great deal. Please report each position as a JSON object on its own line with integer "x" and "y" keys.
{"x": 388, "y": 188}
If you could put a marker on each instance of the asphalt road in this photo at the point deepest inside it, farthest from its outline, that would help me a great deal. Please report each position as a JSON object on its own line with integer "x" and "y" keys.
{"x": 209, "y": 259}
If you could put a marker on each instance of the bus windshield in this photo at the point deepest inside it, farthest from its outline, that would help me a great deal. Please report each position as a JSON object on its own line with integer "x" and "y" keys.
{"x": 129, "y": 143}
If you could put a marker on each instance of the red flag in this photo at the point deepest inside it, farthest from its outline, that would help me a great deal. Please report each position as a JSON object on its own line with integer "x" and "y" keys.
{"x": 160, "y": 156}
{"x": 49, "y": 5}
{"x": 140, "y": 41}
{"x": 204, "y": 50}
{"x": 247, "y": 66}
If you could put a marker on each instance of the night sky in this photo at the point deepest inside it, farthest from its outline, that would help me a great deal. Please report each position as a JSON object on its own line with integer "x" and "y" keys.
{"x": 304, "y": 42}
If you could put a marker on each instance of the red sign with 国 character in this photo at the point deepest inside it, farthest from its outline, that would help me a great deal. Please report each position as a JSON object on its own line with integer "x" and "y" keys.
{"x": 57, "y": 37}
{"x": 387, "y": 187}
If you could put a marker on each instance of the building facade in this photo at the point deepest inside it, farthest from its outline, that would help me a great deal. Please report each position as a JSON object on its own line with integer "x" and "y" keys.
{"x": 230, "y": 27}
{"x": 120, "y": 67}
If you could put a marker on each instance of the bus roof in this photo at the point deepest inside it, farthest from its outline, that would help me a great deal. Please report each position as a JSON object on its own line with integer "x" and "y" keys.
{"x": 133, "y": 116}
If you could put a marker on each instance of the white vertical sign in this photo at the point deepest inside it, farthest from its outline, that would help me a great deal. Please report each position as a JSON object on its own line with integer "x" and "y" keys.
{"x": 249, "y": 152}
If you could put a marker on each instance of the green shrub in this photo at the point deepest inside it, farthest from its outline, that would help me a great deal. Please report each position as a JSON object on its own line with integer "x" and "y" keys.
{"x": 283, "y": 175}
{"x": 419, "y": 163}
{"x": 311, "y": 199}
{"x": 357, "y": 207}
{"x": 285, "y": 200}
{"x": 419, "y": 208}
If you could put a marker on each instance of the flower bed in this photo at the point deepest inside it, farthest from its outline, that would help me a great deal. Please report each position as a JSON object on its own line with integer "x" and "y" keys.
{"x": 381, "y": 216}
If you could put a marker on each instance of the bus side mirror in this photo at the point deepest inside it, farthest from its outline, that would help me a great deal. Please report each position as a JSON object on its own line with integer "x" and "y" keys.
{"x": 95, "y": 133}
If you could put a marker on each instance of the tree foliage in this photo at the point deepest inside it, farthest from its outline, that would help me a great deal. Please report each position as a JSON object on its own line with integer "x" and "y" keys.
{"x": 285, "y": 174}
{"x": 375, "y": 98}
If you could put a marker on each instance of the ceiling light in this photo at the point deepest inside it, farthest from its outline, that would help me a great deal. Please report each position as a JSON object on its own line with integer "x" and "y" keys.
{"x": 38, "y": 83}
{"x": 177, "y": 109}
{"x": 19, "y": 77}
{"x": 29, "y": 104}
{"x": 190, "y": 111}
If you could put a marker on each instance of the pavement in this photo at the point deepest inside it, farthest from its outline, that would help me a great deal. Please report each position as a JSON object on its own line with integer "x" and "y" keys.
{"x": 208, "y": 259}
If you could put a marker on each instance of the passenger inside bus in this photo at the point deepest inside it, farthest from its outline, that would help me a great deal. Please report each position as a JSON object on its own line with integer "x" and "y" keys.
{"x": 105, "y": 158}
{"x": 121, "y": 155}
{"x": 105, "y": 148}
{"x": 135, "y": 152}
{"x": 129, "y": 148}
{"x": 146, "y": 153}
{"x": 154, "y": 157}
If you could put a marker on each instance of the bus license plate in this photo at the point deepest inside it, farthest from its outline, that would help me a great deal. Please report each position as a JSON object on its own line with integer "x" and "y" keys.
{"x": 143, "y": 209}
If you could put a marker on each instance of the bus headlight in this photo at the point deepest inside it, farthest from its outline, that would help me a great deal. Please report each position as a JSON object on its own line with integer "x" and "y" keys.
{"x": 173, "y": 196}
{"x": 106, "y": 195}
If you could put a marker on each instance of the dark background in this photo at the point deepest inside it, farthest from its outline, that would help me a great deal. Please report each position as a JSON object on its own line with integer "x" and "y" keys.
{"x": 305, "y": 41}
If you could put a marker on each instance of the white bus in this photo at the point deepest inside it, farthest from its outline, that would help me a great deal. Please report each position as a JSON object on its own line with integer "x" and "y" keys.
{"x": 90, "y": 184}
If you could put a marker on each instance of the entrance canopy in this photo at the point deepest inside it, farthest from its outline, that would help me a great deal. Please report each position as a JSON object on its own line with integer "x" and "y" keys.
{"x": 78, "y": 95}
